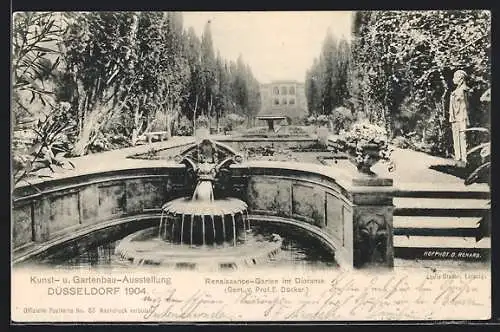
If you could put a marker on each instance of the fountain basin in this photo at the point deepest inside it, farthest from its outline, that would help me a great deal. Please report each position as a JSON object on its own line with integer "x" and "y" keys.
{"x": 144, "y": 248}
{"x": 199, "y": 222}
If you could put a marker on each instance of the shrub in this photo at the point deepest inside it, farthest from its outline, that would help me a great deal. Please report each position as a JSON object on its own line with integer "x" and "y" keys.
{"x": 341, "y": 119}
{"x": 232, "y": 121}
{"x": 401, "y": 142}
{"x": 483, "y": 163}
{"x": 311, "y": 120}
{"x": 322, "y": 120}
{"x": 185, "y": 127}
{"x": 202, "y": 122}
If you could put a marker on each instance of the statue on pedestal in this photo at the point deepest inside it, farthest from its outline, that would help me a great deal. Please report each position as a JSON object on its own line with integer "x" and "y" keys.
{"x": 459, "y": 117}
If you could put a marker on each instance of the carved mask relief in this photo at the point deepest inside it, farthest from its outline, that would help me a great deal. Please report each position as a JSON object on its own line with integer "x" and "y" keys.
{"x": 370, "y": 239}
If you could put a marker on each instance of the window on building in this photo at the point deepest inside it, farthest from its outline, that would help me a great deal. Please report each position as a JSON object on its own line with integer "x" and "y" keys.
{"x": 284, "y": 102}
{"x": 292, "y": 101}
{"x": 276, "y": 91}
{"x": 276, "y": 101}
{"x": 291, "y": 90}
{"x": 283, "y": 90}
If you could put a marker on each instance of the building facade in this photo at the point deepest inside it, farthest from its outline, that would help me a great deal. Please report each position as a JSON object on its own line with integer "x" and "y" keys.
{"x": 286, "y": 98}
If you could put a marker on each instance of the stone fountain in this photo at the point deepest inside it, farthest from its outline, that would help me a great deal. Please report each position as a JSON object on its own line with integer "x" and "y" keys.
{"x": 271, "y": 119}
{"x": 206, "y": 228}
{"x": 202, "y": 219}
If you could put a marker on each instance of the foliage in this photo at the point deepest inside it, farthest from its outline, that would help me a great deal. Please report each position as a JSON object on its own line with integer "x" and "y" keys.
{"x": 401, "y": 142}
{"x": 320, "y": 120}
{"x": 41, "y": 123}
{"x": 202, "y": 122}
{"x": 107, "y": 140}
{"x": 245, "y": 90}
{"x": 34, "y": 43}
{"x": 233, "y": 120}
{"x": 341, "y": 119}
{"x": 124, "y": 74}
{"x": 231, "y": 88}
{"x": 402, "y": 64}
{"x": 159, "y": 73}
{"x": 484, "y": 150}
{"x": 310, "y": 120}
{"x": 97, "y": 54}
{"x": 126, "y": 64}
{"x": 185, "y": 127}
{"x": 50, "y": 145}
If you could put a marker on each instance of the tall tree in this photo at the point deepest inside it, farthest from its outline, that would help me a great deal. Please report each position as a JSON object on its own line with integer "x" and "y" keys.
{"x": 209, "y": 70}
{"x": 240, "y": 87}
{"x": 254, "y": 99}
{"x": 97, "y": 54}
{"x": 327, "y": 79}
{"x": 176, "y": 69}
{"x": 222, "y": 99}
{"x": 195, "y": 87}
{"x": 313, "y": 88}
{"x": 329, "y": 99}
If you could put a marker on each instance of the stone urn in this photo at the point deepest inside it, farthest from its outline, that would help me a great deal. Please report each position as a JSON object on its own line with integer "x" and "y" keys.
{"x": 370, "y": 155}
{"x": 323, "y": 134}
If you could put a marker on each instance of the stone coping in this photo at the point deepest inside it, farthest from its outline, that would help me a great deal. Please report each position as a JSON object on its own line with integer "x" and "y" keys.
{"x": 342, "y": 178}
{"x": 124, "y": 169}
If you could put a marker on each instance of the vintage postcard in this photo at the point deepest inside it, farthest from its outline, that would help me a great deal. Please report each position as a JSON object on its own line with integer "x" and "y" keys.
{"x": 250, "y": 166}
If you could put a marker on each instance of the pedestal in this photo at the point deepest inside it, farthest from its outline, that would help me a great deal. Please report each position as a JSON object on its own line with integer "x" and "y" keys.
{"x": 372, "y": 199}
{"x": 201, "y": 133}
{"x": 270, "y": 121}
{"x": 323, "y": 134}
{"x": 270, "y": 125}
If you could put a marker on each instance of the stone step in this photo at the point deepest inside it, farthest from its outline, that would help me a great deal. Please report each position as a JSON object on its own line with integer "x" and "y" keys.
{"x": 446, "y": 207}
{"x": 441, "y": 191}
{"x": 437, "y": 247}
{"x": 438, "y": 226}
{"x": 423, "y": 222}
{"x": 432, "y": 242}
{"x": 448, "y": 203}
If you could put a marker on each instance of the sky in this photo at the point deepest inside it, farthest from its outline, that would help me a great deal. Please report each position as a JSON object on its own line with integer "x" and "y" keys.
{"x": 276, "y": 45}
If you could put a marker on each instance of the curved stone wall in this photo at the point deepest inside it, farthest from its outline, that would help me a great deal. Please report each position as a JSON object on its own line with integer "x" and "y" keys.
{"x": 311, "y": 195}
{"x": 58, "y": 208}
{"x": 299, "y": 193}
